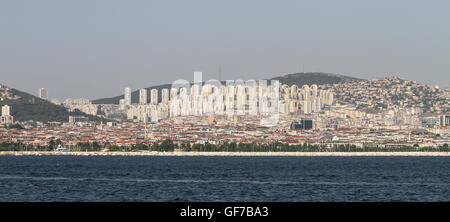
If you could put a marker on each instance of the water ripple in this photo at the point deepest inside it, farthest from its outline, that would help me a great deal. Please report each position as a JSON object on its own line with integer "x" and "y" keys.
{"x": 11, "y": 177}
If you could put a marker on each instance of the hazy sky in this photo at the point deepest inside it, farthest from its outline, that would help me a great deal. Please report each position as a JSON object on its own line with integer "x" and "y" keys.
{"x": 95, "y": 48}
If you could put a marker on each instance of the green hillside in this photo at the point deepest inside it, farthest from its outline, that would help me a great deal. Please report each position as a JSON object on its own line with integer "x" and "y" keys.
{"x": 314, "y": 78}
{"x": 30, "y": 107}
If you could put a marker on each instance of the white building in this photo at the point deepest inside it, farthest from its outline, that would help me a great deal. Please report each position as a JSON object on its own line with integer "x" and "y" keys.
{"x": 307, "y": 107}
{"x": 154, "y": 96}
{"x": 82, "y": 104}
{"x": 6, "y": 115}
{"x": 173, "y": 93}
{"x": 78, "y": 119}
{"x": 317, "y": 105}
{"x": 43, "y": 93}
{"x": 165, "y": 96}
{"x": 127, "y": 97}
{"x": 142, "y": 96}
{"x": 122, "y": 104}
{"x": 6, "y": 110}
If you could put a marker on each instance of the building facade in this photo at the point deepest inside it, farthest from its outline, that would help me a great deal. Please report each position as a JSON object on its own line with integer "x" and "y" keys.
{"x": 43, "y": 93}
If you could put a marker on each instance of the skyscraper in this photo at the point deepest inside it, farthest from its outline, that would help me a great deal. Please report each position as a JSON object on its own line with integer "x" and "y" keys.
{"x": 127, "y": 97}
{"x": 122, "y": 104}
{"x": 294, "y": 91}
{"x": 292, "y": 106}
{"x": 173, "y": 93}
{"x": 307, "y": 106}
{"x": 195, "y": 100}
{"x": 240, "y": 99}
{"x": 142, "y": 96}
{"x": 43, "y": 93}
{"x": 165, "y": 95}
{"x": 314, "y": 90}
{"x": 316, "y": 105}
{"x": 154, "y": 96}
{"x": 306, "y": 92}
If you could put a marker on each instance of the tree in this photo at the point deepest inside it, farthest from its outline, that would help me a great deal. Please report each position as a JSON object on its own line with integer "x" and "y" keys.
{"x": 167, "y": 145}
{"x": 187, "y": 147}
{"x": 96, "y": 146}
{"x": 210, "y": 147}
{"x": 115, "y": 148}
{"x": 197, "y": 147}
{"x": 232, "y": 146}
{"x": 51, "y": 144}
{"x": 155, "y": 147}
{"x": 15, "y": 126}
{"x": 58, "y": 142}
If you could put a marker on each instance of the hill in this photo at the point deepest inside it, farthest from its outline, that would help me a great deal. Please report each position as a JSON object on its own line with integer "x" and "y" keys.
{"x": 314, "y": 78}
{"x": 28, "y": 107}
{"x": 289, "y": 79}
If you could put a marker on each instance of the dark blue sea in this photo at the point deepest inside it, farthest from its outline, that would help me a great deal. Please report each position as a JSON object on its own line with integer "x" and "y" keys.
{"x": 72, "y": 178}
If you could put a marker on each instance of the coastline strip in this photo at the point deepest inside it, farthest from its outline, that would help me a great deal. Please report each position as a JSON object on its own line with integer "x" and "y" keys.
{"x": 255, "y": 154}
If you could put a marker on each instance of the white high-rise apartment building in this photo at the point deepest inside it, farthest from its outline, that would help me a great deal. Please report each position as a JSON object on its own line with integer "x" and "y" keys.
{"x": 43, "y": 93}
{"x": 307, "y": 106}
{"x": 292, "y": 106}
{"x": 316, "y": 105}
{"x": 196, "y": 100}
{"x": 154, "y": 96}
{"x": 294, "y": 92}
{"x": 173, "y": 93}
{"x": 127, "y": 97}
{"x": 142, "y": 96}
{"x": 229, "y": 100}
{"x": 165, "y": 95}
{"x": 314, "y": 90}
{"x": 330, "y": 98}
{"x": 154, "y": 116}
{"x": 122, "y": 104}
{"x": 240, "y": 100}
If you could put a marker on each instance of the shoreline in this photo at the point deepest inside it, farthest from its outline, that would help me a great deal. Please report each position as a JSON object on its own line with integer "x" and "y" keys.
{"x": 248, "y": 154}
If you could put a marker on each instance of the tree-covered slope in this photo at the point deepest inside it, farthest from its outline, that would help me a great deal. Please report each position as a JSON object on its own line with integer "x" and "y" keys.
{"x": 30, "y": 107}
